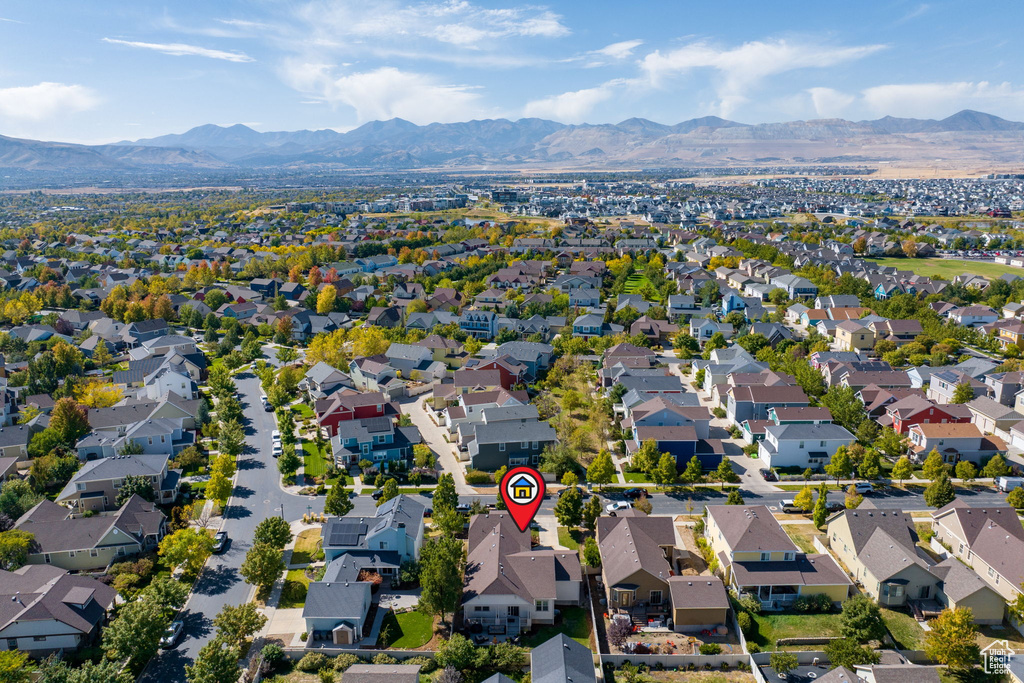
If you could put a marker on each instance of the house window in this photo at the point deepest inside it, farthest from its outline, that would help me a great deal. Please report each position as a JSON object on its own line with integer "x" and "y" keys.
{"x": 655, "y": 597}
{"x": 513, "y": 610}
{"x": 542, "y": 605}
{"x": 960, "y": 551}
{"x": 991, "y": 572}
{"x": 790, "y": 556}
{"x": 46, "y": 558}
{"x": 482, "y": 608}
{"x": 801, "y": 444}
{"x": 501, "y": 447}
{"x": 12, "y": 643}
{"x": 525, "y": 445}
{"x": 765, "y": 557}
{"x": 79, "y": 486}
{"x": 71, "y": 553}
{"x": 120, "y": 550}
{"x": 384, "y": 545}
{"x": 39, "y": 639}
{"x": 93, "y": 552}
{"x": 533, "y": 445}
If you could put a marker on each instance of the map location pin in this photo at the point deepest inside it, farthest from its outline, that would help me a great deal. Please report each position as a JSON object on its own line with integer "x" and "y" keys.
{"x": 522, "y": 489}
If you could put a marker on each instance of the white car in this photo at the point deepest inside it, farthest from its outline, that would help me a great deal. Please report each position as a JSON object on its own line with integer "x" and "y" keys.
{"x": 617, "y": 505}
{"x": 276, "y": 450}
{"x": 275, "y": 436}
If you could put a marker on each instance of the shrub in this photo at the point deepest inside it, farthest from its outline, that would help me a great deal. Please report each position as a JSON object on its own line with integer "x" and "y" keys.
{"x": 710, "y": 649}
{"x": 427, "y": 664}
{"x": 312, "y": 662}
{"x": 344, "y": 661}
{"x": 747, "y": 623}
{"x": 325, "y": 676}
{"x": 477, "y": 478}
{"x": 719, "y": 412}
{"x": 750, "y": 603}
{"x": 384, "y": 658}
{"x": 272, "y": 653}
{"x": 753, "y": 648}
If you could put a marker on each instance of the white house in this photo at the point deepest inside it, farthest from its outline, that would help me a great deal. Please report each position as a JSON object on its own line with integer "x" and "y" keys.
{"x": 802, "y": 445}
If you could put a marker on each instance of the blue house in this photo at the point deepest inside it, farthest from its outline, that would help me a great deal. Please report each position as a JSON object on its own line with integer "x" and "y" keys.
{"x": 376, "y": 439}
{"x": 733, "y": 302}
{"x": 479, "y": 324}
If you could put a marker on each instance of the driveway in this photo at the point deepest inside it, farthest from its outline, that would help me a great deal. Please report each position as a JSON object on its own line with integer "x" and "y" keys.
{"x": 434, "y": 436}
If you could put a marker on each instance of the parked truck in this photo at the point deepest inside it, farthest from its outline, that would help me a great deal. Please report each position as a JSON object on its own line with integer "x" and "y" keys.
{"x": 1007, "y": 484}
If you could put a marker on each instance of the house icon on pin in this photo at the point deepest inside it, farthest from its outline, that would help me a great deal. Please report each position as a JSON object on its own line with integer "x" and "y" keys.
{"x": 522, "y": 488}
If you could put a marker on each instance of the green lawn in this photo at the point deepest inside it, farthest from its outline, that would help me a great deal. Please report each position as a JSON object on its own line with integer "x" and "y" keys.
{"x": 406, "y": 631}
{"x": 947, "y": 268}
{"x": 634, "y": 282}
{"x": 772, "y": 626}
{"x": 573, "y": 622}
{"x": 637, "y": 478}
{"x": 803, "y": 535}
{"x": 904, "y": 629}
{"x": 304, "y": 411}
{"x": 306, "y": 545}
{"x": 296, "y": 584}
{"x": 315, "y": 464}
{"x": 570, "y": 538}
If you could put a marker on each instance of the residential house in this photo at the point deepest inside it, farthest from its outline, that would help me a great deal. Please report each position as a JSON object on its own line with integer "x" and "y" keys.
{"x": 557, "y": 660}
{"x": 638, "y": 556}
{"x": 942, "y": 388}
{"x": 95, "y": 486}
{"x": 345, "y": 406}
{"x": 753, "y": 402}
{"x": 508, "y": 444}
{"x": 479, "y": 324}
{"x": 906, "y": 412}
{"x": 802, "y": 445}
{"x": 954, "y": 442}
{"x": 395, "y": 531}
{"x": 1004, "y": 386}
{"x": 851, "y": 335}
{"x": 376, "y": 439}
{"x": 988, "y": 539}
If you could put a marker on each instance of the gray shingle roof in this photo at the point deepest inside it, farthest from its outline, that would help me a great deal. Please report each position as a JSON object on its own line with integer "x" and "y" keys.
{"x": 562, "y": 660}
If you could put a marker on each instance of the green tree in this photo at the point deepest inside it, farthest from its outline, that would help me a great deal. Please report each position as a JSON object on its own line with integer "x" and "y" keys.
{"x": 725, "y": 472}
{"x": 734, "y": 497}
{"x": 951, "y": 639}
{"x": 423, "y": 456}
{"x": 934, "y": 466}
{"x": 602, "y": 469}
{"x": 966, "y": 470}
{"x": 592, "y": 510}
{"x": 14, "y": 548}
{"x": 963, "y": 393}
{"x": 693, "y": 473}
{"x": 995, "y": 467}
{"x": 69, "y": 420}
{"x": 685, "y": 345}
{"x": 853, "y": 499}
{"x": 445, "y": 496}
{"x": 337, "y": 502}
{"x": 218, "y": 487}
{"x": 134, "y": 635}
{"x": 187, "y": 548}
{"x": 569, "y": 507}
{"x": 782, "y": 662}
{"x": 448, "y": 521}
{"x": 274, "y": 531}
{"x": 846, "y": 652}
{"x": 441, "y": 566}
{"x": 235, "y": 624}
{"x": 821, "y": 506}
{"x": 17, "y": 498}
{"x": 132, "y": 485}
{"x": 288, "y": 462}
{"x": 847, "y": 410}
{"x": 169, "y": 593}
{"x": 666, "y": 474}
{"x": 389, "y": 491}
{"x": 861, "y": 619}
{"x": 14, "y": 667}
{"x": 217, "y": 663}
{"x": 902, "y": 470}
{"x": 940, "y": 492}
{"x": 104, "y": 671}
{"x": 262, "y": 565}
{"x": 457, "y": 652}
{"x": 591, "y": 553}
{"x": 840, "y": 466}
{"x": 231, "y": 437}
{"x": 804, "y": 499}
{"x": 891, "y": 443}
{"x": 1016, "y": 499}
{"x": 646, "y": 457}
{"x": 870, "y": 466}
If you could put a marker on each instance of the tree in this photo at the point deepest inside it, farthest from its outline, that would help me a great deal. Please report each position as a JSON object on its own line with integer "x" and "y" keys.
{"x": 592, "y": 510}
{"x": 98, "y": 394}
{"x": 135, "y": 634}
{"x": 337, "y": 502}
{"x": 1016, "y": 499}
{"x": 846, "y": 408}
{"x": 215, "y": 298}
{"x": 995, "y": 467}
{"x": 262, "y": 565}
{"x": 445, "y": 496}
{"x": 666, "y": 474}
{"x": 871, "y": 466}
{"x": 458, "y": 652}
{"x": 619, "y": 632}
{"x": 237, "y": 623}
{"x": 14, "y": 548}
{"x": 694, "y": 471}
{"x": 963, "y": 393}
{"x": 821, "y": 506}
{"x": 782, "y": 662}
{"x": 441, "y": 565}
{"x": 846, "y": 652}
{"x": 274, "y": 531}
{"x": 752, "y": 343}
{"x": 591, "y": 553}
{"x": 17, "y": 498}
{"x": 169, "y": 593}
{"x": 951, "y": 639}
{"x": 326, "y": 300}
{"x": 231, "y": 437}
{"x": 218, "y": 487}
{"x": 187, "y": 548}
{"x": 804, "y": 499}
{"x": 966, "y": 470}
{"x": 734, "y": 498}
{"x": 602, "y": 469}
{"x": 902, "y": 469}
{"x": 685, "y": 345}
{"x": 940, "y": 492}
{"x": 891, "y": 443}
{"x": 217, "y": 663}
{"x": 423, "y": 456}
{"x": 725, "y": 472}
{"x": 448, "y": 521}
{"x": 840, "y": 466}
{"x": 389, "y": 491}
{"x": 132, "y": 485}
{"x": 934, "y": 466}
{"x": 106, "y": 671}
{"x": 645, "y": 459}
{"x": 14, "y": 667}
{"x": 288, "y": 462}
{"x": 853, "y": 499}
{"x": 861, "y": 619}
{"x": 569, "y": 508}
{"x": 69, "y": 420}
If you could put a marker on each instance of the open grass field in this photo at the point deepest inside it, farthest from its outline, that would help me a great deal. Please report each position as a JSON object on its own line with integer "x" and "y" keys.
{"x": 635, "y": 281}
{"x": 570, "y": 538}
{"x": 771, "y": 627}
{"x": 315, "y": 464}
{"x": 948, "y": 268}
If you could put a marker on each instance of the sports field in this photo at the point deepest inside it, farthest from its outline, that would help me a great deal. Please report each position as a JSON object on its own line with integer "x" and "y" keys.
{"x": 949, "y": 268}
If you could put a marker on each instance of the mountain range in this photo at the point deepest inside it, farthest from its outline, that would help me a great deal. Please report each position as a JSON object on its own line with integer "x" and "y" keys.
{"x": 968, "y": 137}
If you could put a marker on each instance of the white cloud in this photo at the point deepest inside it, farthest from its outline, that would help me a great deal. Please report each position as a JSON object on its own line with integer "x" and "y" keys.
{"x": 183, "y": 50}
{"x": 741, "y": 69}
{"x": 914, "y": 13}
{"x": 942, "y": 99}
{"x": 386, "y": 93}
{"x": 45, "y": 100}
{"x": 619, "y": 50}
{"x": 830, "y": 103}
{"x": 571, "y": 107}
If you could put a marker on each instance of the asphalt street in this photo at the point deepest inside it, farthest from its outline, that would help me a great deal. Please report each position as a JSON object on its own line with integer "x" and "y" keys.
{"x": 256, "y": 496}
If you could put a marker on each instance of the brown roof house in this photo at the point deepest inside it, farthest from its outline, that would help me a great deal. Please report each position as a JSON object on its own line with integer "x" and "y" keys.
{"x": 510, "y": 587}
{"x": 988, "y": 539}
{"x": 758, "y": 558}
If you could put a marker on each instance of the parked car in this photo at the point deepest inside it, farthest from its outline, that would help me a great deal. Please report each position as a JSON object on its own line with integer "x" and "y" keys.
{"x": 172, "y": 635}
{"x": 267, "y": 407}
{"x": 463, "y": 507}
{"x": 220, "y": 541}
{"x": 583, "y": 492}
{"x": 634, "y": 493}
{"x": 768, "y": 475}
{"x": 377, "y": 494}
{"x": 617, "y": 505}
{"x": 790, "y": 507}
{"x": 276, "y": 450}
{"x": 863, "y": 487}
{"x": 275, "y": 436}
{"x": 834, "y": 507}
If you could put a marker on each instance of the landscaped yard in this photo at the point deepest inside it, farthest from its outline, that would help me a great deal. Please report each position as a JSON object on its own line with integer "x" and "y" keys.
{"x": 570, "y": 538}
{"x": 304, "y": 411}
{"x": 315, "y": 463}
{"x": 635, "y": 281}
{"x": 947, "y": 268}
{"x": 904, "y": 629}
{"x": 636, "y": 477}
{"x": 573, "y": 622}
{"x": 987, "y": 634}
{"x": 406, "y": 631}
{"x": 306, "y": 544}
{"x": 296, "y": 584}
{"x": 772, "y": 626}
{"x": 803, "y": 535}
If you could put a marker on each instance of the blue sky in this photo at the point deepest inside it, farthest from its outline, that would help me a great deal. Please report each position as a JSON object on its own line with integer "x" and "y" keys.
{"x": 73, "y": 71}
